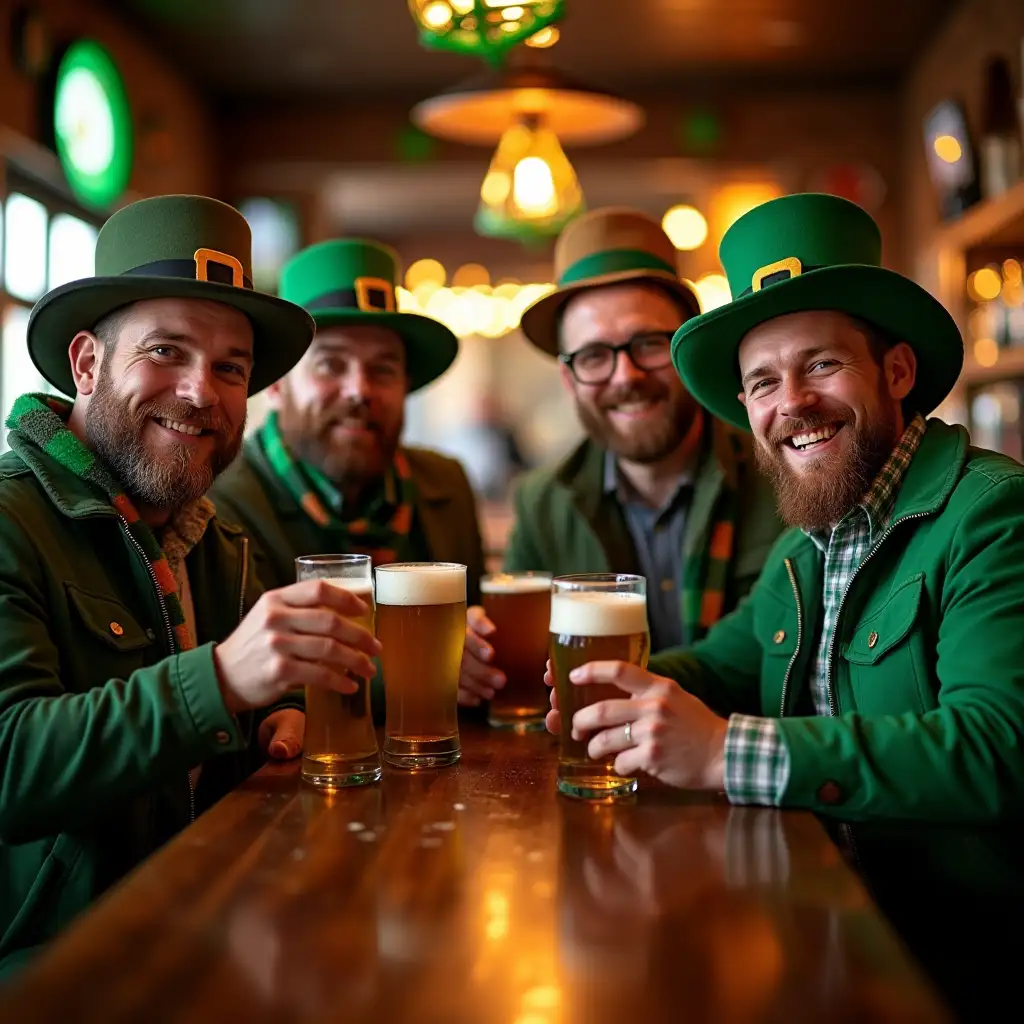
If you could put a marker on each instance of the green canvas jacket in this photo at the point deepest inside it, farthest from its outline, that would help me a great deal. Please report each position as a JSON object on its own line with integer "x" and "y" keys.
{"x": 927, "y": 674}
{"x": 99, "y": 721}
{"x": 566, "y": 523}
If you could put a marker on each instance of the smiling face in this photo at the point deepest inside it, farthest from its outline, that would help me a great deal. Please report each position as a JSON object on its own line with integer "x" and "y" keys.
{"x": 162, "y": 387}
{"x": 639, "y": 415}
{"x": 342, "y": 408}
{"x": 824, "y": 401}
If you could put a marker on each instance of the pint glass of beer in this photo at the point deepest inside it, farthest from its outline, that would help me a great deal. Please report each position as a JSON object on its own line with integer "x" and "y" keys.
{"x": 421, "y": 625}
{"x": 340, "y": 746}
{"x": 594, "y": 617}
{"x": 519, "y": 605}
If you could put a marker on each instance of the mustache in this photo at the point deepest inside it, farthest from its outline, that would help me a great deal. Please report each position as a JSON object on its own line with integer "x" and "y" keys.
{"x": 782, "y": 433}
{"x": 633, "y": 393}
{"x": 353, "y": 409}
{"x": 185, "y": 412}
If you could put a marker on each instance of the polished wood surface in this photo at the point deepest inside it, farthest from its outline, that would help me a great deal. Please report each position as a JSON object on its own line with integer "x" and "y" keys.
{"x": 476, "y": 894}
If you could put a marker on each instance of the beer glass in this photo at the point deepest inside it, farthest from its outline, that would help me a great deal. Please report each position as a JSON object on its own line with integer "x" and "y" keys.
{"x": 519, "y": 605}
{"x": 421, "y": 625}
{"x": 594, "y": 617}
{"x": 340, "y": 746}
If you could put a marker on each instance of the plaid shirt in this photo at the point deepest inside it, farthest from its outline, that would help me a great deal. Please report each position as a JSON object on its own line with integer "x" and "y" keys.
{"x": 756, "y": 758}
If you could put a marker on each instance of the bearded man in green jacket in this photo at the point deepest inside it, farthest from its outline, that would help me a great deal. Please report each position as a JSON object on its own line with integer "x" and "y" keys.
{"x": 875, "y": 675}
{"x": 327, "y": 470}
{"x": 658, "y": 487}
{"x": 136, "y": 650}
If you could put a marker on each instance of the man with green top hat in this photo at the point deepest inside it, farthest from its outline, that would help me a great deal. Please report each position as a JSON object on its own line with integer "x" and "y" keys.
{"x": 876, "y": 673}
{"x": 327, "y": 470}
{"x": 658, "y": 487}
{"x": 136, "y": 649}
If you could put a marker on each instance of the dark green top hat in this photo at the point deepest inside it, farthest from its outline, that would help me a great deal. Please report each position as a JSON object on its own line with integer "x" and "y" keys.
{"x": 352, "y": 281}
{"x": 804, "y": 252}
{"x": 188, "y": 247}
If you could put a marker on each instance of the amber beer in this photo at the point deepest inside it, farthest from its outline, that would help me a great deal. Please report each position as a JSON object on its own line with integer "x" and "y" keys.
{"x": 594, "y": 617}
{"x": 421, "y": 625}
{"x": 340, "y": 746}
{"x": 519, "y": 605}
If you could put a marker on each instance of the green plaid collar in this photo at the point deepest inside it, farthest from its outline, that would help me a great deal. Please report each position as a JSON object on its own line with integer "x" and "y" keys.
{"x": 880, "y": 500}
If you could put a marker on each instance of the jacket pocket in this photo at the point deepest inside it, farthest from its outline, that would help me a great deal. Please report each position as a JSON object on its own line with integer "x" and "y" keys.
{"x": 50, "y": 900}
{"x": 106, "y": 640}
{"x": 884, "y": 655}
{"x": 107, "y": 620}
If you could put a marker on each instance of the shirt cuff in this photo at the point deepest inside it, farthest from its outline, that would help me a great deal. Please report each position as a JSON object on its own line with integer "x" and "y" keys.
{"x": 756, "y": 761}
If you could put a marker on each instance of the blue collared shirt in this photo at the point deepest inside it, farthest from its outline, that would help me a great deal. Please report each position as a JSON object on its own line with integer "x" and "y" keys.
{"x": 657, "y": 535}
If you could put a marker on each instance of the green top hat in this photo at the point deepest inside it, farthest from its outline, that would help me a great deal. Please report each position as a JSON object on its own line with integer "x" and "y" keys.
{"x": 188, "y": 247}
{"x": 804, "y": 252}
{"x": 612, "y": 245}
{"x": 352, "y": 281}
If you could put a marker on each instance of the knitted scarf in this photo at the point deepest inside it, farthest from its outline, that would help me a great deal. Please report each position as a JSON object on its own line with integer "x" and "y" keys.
{"x": 707, "y": 572}
{"x": 42, "y": 419}
{"x": 706, "y": 569}
{"x": 379, "y": 533}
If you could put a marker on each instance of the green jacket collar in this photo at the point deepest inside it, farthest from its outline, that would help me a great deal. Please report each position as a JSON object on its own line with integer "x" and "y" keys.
{"x": 583, "y": 472}
{"x": 937, "y": 465}
{"x": 74, "y": 496}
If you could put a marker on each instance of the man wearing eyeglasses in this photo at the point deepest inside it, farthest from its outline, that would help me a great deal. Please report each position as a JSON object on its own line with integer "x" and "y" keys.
{"x": 658, "y": 487}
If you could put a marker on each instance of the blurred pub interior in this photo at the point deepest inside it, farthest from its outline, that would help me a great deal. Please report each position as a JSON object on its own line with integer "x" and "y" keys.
{"x": 305, "y": 114}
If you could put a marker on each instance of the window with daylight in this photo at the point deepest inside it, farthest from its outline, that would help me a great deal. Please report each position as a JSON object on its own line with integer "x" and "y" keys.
{"x": 45, "y": 241}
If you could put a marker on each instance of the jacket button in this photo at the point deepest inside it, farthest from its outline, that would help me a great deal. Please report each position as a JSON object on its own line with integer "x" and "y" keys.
{"x": 830, "y": 793}
{"x": 872, "y": 639}
{"x": 116, "y": 628}
{"x": 222, "y": 737}
{"x": 779, "y": 636}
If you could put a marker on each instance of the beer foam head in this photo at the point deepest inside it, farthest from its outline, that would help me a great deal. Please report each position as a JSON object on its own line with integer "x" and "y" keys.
{"x": 504, "y": 583}
{"x": 421, "y": 583}
{"x": 597, "y": 613}
{"x": 362, "y": 588}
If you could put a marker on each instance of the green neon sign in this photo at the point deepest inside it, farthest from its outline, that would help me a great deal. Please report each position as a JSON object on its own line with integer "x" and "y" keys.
{"x": 92, "y": 124}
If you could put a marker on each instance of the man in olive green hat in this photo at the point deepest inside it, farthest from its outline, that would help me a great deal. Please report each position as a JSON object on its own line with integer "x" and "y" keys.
{"x": 327, "y": 470}
{"x": 658, "y": 487}
{"x": 876, "y": 675}
{"x": 136, "y": 650}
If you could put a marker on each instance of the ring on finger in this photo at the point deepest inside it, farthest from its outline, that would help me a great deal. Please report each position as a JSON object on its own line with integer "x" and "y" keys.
{"x": 627, "y": 730}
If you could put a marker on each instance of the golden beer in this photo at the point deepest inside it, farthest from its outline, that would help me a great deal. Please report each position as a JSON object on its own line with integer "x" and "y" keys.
{"x": 340, "y": 745}
{"x": 519, "y": 605}
{"x": 594, "y": 624}
{"x": 421, "y": 625}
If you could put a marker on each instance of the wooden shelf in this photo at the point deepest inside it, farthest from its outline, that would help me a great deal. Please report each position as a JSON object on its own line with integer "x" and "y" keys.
{"x": 998, "y": 221}
{"x": 1009, "y": 364}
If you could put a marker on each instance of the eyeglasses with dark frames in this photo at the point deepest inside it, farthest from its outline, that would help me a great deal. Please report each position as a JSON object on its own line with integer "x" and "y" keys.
{"x": 595, "y": 363}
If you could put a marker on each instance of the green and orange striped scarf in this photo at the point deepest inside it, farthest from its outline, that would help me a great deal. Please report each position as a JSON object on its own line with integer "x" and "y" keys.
{"x": 42, "y": 419}
{"x": 706, "y": 573}
{"x": 381, "y": 532}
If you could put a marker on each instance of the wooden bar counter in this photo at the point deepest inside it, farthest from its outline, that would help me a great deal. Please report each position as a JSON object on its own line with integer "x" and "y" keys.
{"x": 477, "y": 894}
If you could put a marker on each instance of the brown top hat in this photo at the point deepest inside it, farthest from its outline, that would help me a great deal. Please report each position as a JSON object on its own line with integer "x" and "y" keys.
{"x": 602, "y": 247}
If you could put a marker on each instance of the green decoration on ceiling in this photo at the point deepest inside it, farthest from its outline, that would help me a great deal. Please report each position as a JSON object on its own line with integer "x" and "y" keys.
{"x": 488, "y": 29}
{"x": 92, "y": 124}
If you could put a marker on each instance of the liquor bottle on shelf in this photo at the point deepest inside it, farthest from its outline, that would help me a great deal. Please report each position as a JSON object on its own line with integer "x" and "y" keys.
{"x": 1000, "y": 150}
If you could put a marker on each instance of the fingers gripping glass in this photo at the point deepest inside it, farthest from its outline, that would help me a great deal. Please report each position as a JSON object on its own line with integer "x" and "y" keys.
{"x": 595, "y": 363}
